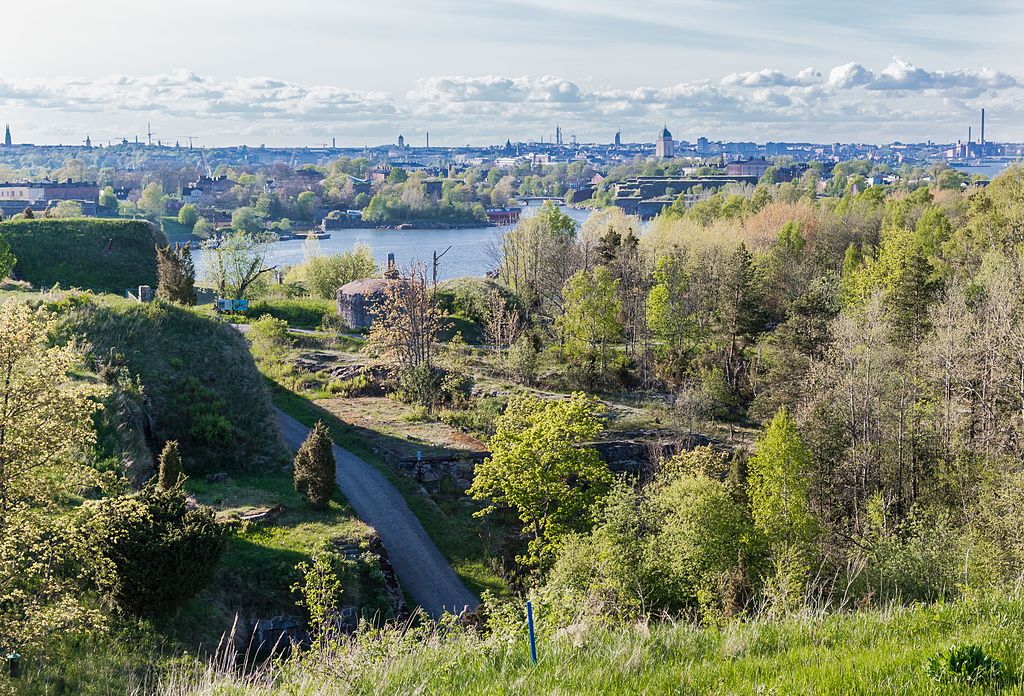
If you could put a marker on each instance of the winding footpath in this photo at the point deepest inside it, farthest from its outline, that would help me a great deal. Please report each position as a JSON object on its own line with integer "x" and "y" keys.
{"x": 421, "y": 568}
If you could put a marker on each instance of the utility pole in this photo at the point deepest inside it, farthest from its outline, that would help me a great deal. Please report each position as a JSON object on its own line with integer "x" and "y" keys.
{"x": 437, "y": 257}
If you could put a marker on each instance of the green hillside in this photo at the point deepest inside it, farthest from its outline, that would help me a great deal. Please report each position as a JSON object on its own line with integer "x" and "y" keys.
{"x": 197, "y": 375}
{"x": 88, "y": 253}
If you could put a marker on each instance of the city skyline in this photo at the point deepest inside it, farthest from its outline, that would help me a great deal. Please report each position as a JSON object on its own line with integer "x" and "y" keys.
{"x": 362, "y": 73}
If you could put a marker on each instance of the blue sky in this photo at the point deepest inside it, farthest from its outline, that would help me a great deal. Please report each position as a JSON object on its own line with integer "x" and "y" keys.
{"x": 475, "y": 72}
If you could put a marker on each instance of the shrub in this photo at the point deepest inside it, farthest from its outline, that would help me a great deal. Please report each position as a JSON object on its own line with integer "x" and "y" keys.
{"x": 433, "y": 387}
{"x": 468, "y": 297}
{"x": 523, "y": 361}
{"x": 176, "y": 274}
{"x": 268, "y": 339}
{"x": 966, "y": 664}
{"x": 315, "y": 468}
{"x": 163, "y": 553}
{"x": 325, "y": 274}
{"x": 170, "y": 466}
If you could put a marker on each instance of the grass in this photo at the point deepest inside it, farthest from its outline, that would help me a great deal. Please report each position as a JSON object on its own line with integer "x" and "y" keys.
{"x": 198, "y": 374}
{"x": 87, "y": 253}
{"x": 866, "y": 652}
{"x": 258, "y": 567}
{"x": 175, "y": 231}
{"x": 299, "y": 312}
{"x": 463, "y": 539}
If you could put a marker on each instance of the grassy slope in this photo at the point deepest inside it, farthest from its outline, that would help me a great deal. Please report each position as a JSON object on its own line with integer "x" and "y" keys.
{"x": 862, "y": 653}
{"x": 167, "y": 346}
{"x": 89, "y": 253}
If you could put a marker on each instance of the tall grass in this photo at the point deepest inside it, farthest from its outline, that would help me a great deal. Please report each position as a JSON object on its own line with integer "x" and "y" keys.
{"x": 867, "y": 652}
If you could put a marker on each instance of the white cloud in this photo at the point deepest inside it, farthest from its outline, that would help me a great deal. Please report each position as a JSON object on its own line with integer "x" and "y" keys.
{"x": 771, "y": 78}
{"x": 760, "y": 104}
{"x": 849, "y": 75}
{"x": 902, "y": 75}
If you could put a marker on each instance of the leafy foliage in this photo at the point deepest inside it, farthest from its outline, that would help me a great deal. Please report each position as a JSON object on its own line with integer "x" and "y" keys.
{"x": 539, "y": 466}
{"x": 163, "y": 552}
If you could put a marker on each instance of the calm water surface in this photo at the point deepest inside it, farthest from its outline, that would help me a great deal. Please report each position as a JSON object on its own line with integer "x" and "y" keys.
{"x": 470, "y": 254}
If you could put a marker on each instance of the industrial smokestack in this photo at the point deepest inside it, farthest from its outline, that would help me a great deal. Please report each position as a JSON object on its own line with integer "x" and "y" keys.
{"x": 983, "y": 132}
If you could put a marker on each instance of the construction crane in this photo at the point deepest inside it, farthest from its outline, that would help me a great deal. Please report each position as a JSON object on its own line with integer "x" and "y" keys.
{"x": 189, "y": 138}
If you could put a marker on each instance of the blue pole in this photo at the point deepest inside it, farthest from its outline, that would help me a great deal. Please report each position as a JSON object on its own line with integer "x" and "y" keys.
{"x": 533, "y": 639}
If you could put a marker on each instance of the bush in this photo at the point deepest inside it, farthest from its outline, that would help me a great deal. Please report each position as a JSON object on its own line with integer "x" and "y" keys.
{"x": 468, "y": 297}
{"x": 268, "y": 339}
{"x": 967, "y": 664}
{"x": 433, "y": 387}
{"x": 523, "y": 360}
{"x": 315, "y": 468}
{"x": 163, "y": 553}
{"x": 325, "y": 274}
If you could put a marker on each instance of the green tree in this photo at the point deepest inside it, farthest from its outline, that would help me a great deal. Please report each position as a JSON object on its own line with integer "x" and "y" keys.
{"x": 170, "y": 469}
{"x": 47, "y": 565}
{"x": 540, "y": 467}
{"x": 238, "y": 265}
{"x": 315, "y": 469}
{"x": 176, "y": 274}
{"x": 7, "y": 259}
{"x": 153, "y": 201}
{"x": 108, "y": 200}
{"x": 163, "y": 551}
{"x": 67, "y": 209}
{"x": 188, "y": 216}
{"x": 590, "y": 322}
{"x": 305, "y": 205}
{"x": 202, "y": 228}
{"x": 779, "y": 488}
{"x": 246, "y": 220}
{"x": 325, "y": 274}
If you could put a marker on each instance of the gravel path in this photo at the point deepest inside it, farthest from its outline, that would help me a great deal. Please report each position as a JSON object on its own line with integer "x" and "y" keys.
{"x": 421, "y": 568}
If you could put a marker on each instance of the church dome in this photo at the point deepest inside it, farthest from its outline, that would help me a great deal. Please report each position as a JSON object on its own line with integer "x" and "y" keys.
{"x": 665, "y": 135}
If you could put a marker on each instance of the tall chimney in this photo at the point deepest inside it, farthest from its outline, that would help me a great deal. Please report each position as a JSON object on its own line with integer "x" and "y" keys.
{"x": 983, "y": 132}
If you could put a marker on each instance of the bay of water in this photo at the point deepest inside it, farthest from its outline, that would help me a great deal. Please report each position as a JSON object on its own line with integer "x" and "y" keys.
{"x": 470, "y": 253}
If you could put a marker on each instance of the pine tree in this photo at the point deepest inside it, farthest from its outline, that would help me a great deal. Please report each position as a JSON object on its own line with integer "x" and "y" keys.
{"x": 170, "y": 466}
{"x": 315, "y": 469}
{"x": 176, "y": 274}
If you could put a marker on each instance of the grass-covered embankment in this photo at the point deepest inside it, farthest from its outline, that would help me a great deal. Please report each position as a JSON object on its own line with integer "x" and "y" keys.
{"x": 87, "y": 253}
{"x": 198, "y": 377}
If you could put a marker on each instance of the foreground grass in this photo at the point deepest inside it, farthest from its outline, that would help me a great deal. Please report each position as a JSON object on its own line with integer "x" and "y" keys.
{"x": 450, "y": 524}
{"x": 862, "y": 653}
{"x": 867, "y": 652}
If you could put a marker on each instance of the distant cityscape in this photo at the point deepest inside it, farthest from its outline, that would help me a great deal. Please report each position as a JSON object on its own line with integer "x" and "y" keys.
{"x": 704, "y": 166}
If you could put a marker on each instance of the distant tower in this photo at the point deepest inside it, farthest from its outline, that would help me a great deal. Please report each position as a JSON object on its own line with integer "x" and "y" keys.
{"x": 982, "y": 132}
{"x": 7, "y": 135}
{"x": 558, "y": 135}
{"x": 664, "y": 148}
{"x": 334, "y": 142}
{"x": 88, "y": 141}
{"x": 428, "y": 140}
{"x": 618, "y": 138}
{"x": 401, "y": 141}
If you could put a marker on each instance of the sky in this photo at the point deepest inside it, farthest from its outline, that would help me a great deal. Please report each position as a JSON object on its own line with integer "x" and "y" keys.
{"x": 480, "y": 71}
